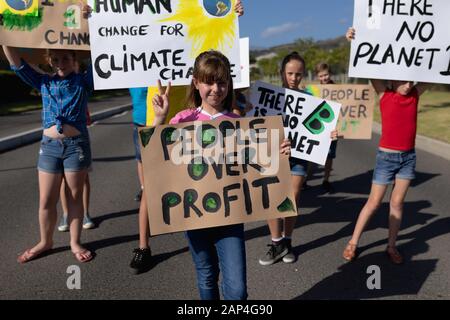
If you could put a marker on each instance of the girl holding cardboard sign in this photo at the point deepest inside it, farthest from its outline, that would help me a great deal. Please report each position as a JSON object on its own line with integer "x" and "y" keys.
{"x": 292, "y": 70}
{"x": 142, "y": 258}
{"x": 211, "y": 97}
{"x": 396, "y": 158}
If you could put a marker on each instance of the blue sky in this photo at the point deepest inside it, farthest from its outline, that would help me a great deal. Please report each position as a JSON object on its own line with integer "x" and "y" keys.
{"x": 274, "y": 22}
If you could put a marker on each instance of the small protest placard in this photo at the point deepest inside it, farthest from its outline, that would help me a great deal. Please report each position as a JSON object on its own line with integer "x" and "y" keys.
{"x": 56, "y": 25}
{"x": 358, "y": 103}
{"x": 401, "y": 40}
{"x": 307, "y": 120}
{"x": 215, "y": 173}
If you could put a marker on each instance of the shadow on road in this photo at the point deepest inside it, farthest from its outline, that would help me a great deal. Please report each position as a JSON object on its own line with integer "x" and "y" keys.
{"x": 99, "y": 219}
{"x": 350, "y": 282}
{"x": 347, "y": 211}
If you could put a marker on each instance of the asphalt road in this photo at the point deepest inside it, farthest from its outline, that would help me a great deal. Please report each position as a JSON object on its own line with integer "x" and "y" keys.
{"x": 323, "y": 228}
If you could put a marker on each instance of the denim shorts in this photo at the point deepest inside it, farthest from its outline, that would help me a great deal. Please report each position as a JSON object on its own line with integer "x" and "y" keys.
{"x": 298, "y": 166}
{"x": 392, "y": 165}
{"x": 332, "y": 151}
{"x": 70, "y": 154}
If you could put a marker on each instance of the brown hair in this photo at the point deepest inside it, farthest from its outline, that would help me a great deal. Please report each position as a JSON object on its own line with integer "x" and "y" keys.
{"x": 322, "y": 66}
{"x": 210, "y": 67}
{"x": 291, "y": 56}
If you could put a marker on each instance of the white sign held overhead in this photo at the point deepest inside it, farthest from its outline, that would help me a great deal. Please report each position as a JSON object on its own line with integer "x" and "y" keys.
{"x": 135, "y": 43}
{"x": 401, "y": 40}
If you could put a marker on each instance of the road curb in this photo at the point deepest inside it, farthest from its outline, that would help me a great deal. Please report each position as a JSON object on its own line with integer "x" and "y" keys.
{"x": 436, "y": 147}
{"x": 31, "y": 136}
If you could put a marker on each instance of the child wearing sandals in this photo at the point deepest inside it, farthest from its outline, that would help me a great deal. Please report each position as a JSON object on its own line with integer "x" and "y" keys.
{"x": 395, "y": 160}
{"x": 65, "y": 147}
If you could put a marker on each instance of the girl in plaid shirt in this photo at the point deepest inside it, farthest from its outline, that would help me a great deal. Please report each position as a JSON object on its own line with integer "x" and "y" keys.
{"x": 65, "y": 148}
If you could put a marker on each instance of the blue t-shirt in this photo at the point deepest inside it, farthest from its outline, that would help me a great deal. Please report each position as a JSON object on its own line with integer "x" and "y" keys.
{"x": 139, "y": 100}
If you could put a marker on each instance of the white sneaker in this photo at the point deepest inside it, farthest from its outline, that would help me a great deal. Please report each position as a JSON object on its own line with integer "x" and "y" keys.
{"x": 88, "y": 223}
{"x": 63, "y": 225}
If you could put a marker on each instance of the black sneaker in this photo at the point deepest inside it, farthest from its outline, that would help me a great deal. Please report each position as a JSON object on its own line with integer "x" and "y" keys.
{"x": 290, "y": 256}
{"x": 326, "y": 185}
{"x": 138, "y": 196}
{"x": 141, "y": 260}
{"x": 276, "y": 252}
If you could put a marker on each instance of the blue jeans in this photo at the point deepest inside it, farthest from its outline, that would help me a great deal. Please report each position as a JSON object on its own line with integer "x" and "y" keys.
{"x": 391, "y": 165}
{"x": 222, "y": 247}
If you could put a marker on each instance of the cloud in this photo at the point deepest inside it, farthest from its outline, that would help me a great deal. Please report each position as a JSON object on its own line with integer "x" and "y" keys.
{"x": 276, "y": 30}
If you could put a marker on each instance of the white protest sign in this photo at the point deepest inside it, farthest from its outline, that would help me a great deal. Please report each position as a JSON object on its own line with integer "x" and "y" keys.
{"x": 244, "y": 46}
{"x": 134, "y": 43}
{"x": 307, "y": 120}
{"x": 401, "y": 40}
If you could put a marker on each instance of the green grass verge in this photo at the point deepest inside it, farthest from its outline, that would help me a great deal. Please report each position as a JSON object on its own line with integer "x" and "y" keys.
{"x": 433, "y": 119}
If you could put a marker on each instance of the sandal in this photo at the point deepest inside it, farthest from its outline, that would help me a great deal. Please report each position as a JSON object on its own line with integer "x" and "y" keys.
{"x": 394, "y": 255}
{"x": 83, "y": 255}
{"x": 29, "y": 255}
{"x": 349, "y": 252}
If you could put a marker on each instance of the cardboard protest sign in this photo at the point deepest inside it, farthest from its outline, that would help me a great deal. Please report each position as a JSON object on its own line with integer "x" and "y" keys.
{"x": 358, "y": 103}
{"x": 401, "y": 40}
{"x": 19, "y": 7}
{"x": 134, "y": 43}
{"x": 308, "y": 120}
{"x": 58, "y": 25}
{"x": 215, "y": 173}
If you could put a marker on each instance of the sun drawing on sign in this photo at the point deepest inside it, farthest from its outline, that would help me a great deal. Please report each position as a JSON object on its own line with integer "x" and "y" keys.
{"x": 210, "y": 23}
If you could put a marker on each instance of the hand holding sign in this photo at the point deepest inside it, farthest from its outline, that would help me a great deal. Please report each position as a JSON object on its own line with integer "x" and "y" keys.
{"x": 161, "y": 103}
{"x": 285, "y": 147}
{"x": 350, "y": 35}
{"x": 86, "y": 10}
{"x": 239, "y": 8}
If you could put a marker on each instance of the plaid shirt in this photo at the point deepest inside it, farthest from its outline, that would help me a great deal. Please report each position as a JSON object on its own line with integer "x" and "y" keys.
{"x": 64, "y": 101}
